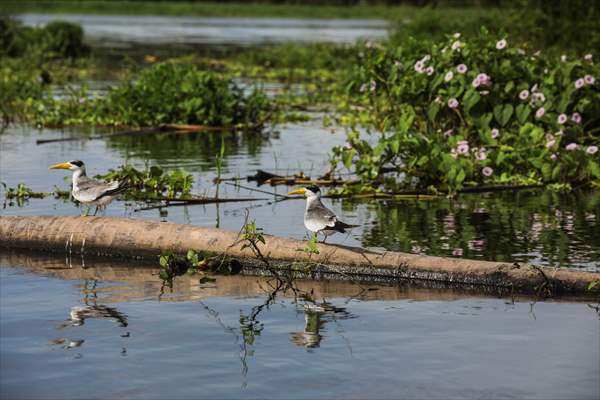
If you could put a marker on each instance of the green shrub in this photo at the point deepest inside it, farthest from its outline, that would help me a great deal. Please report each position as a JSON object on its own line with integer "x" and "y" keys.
{"x": 511, "y": 117}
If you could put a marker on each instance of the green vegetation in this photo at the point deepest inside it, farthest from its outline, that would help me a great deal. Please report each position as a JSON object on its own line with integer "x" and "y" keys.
{"x": 151, "y": 183}
{"x": 471, "y": 111}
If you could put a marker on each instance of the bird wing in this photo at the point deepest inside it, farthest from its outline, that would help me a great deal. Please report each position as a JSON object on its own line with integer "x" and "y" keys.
{"x": 321, "y": 217}
{"x": 91, "y": 189}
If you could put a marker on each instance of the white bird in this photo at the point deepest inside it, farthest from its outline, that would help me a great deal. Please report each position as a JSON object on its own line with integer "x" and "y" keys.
{"x": 317, "y": 217}
{"x": 89, "y": 191}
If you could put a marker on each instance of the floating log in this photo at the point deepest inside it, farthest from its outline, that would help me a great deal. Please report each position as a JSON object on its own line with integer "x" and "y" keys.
{"x": 147, "y": 238}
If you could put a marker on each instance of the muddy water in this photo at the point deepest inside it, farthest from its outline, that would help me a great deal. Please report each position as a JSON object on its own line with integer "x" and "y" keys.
{"x": 111, "y": 330}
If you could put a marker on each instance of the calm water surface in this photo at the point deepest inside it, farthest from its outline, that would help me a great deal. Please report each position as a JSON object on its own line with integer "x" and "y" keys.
{"x": 535, "y": 226}
{"x": 107, "y": 331}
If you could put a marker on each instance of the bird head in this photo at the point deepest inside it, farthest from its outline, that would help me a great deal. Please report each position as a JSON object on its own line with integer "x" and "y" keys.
{"x": 308, "y": 191}
{"x": 70, "y": 165}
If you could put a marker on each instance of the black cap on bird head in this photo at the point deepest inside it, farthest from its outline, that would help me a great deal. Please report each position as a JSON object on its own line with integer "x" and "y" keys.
{"x": 313, "y": 188}
{"x": 78, "y": 163}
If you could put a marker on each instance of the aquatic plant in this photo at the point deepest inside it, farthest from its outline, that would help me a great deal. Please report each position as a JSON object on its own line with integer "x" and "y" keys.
{"x": 153, "y": 182}
{"x": 471, "y": 111}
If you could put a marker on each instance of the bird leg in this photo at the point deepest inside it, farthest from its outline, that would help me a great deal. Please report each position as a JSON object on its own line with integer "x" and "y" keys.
{"x": 86, "y": 212}
{"x": 96, "y": 211}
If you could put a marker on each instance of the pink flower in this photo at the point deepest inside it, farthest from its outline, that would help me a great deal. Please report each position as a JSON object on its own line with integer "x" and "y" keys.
{"x": 457, "y": 252}
{"x": 455, "y": 45}
{"x": 576, "y": 117}
{"x": 524, "y": 94}
{"x": 562, "y": 118}
{"x": 495, "y": 133}
{"x": 463, "y": 147}
{"x": 501, "y": 44}
{"x": 553, "y": 156}
{"x": 484, "y": 79}
{"x": 592, "y": 150}
{"x": 453, "y": 103}
{"x": 540, "y": 112}
{"x": 429, "y": 70}
{"x": 538, "y": 96}
{"x": 449, "y": 133}
{"x": 487, "y": 171}
{"x": 481, "y": 154}
{"x": 579, "y": 83}
{"x": 588, "y": 57}
{"x": 419, "y": 66}
{"x": 476, "y": 82}
{"x": 589, "y": 79}
{"x": 462, "y": 68}
{"x": 449, "y": 76}
{"x": 571, "y": 146}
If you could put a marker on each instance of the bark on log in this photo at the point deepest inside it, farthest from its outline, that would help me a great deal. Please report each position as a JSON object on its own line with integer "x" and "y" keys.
{"x": 148, "y": 238}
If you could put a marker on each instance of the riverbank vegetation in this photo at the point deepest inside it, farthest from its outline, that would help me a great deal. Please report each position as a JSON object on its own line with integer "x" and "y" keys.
{"x": 441, "y": 106}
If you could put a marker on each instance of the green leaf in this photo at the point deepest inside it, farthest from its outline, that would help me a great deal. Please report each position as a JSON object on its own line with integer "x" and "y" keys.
{"x": 523, "y": 112}
{"x": 502, "y": 113}
{"x": 470, "y": 99}
{"x": 434, "y": 108}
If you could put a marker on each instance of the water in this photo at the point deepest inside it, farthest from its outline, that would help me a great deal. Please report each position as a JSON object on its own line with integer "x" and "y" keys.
{"x": 119, "y": 31}
{"x": 535, "y": 226}
{"x": 105, "y": 331}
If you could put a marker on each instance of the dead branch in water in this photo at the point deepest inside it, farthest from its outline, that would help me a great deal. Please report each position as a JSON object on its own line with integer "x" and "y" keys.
{"x": 170, "y": 129}
{"x": 176, "y": 202}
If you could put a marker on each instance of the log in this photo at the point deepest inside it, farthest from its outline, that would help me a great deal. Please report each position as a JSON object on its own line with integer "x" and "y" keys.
{"x": 138, "y": 238}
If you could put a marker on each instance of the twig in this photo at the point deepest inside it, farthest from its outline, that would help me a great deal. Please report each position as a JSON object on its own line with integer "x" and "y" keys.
{"x": 259, "y": 190}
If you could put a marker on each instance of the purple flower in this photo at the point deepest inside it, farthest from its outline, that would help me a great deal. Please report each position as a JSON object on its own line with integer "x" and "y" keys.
{"x": 495, "y": 133}
{"x": 462, "y": 68}
{"x": 540, "y": 112}
{"x": 562, "y": 118}
{"x": 592, "y": 150}
{"x": 487, "y": 171}
{"x": 449, "y": 76}
{"x": 456, "y": 45}
{"x": 348, "y": 146}
{"x": 576, "y": 118}
{"x": 453, "y": 103}
{"x": 524, "y": 94}
{"x": 501, "y": 44}
{"x": 553, "y": 156}
{"x": 571, "y": 146}
{"x": 476, "y": 82}
{"x": 589, "y": 79}
{"x": 579, "y": 83}
{"x": 449, "y": 133}
{"x": 419, "y": 66}
{"x": 463, "y": 147}
{"x": 429, "y": 70}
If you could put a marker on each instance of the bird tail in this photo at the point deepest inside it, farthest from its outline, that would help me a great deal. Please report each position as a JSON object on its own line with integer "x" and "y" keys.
{"x": 342, "y": 226}
{"x": 122, "y": 187}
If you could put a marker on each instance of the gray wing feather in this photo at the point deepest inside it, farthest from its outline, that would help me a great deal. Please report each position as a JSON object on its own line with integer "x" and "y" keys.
{"x": 322, "y": 216}
{"x": 91, "y": 189}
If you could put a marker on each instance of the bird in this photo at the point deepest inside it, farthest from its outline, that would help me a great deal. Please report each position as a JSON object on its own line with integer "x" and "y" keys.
{"x": 317, "y": 217}
{"x": 89, "y": 191}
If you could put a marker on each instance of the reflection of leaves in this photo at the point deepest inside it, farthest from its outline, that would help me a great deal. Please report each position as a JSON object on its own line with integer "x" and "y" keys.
{"x": 492, "y": 227}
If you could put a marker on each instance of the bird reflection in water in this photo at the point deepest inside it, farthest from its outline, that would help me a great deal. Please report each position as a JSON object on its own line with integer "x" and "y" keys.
{"x": 66, "y": 343}
{"x": 315, "y": 317}
{"x": 80, "y": 313}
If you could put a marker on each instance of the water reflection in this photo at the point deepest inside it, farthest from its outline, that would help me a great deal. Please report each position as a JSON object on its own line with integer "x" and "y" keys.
{"x": 79, "y": 314}
{"x": 535, "y": 226}
{"x": 315, "y": 317}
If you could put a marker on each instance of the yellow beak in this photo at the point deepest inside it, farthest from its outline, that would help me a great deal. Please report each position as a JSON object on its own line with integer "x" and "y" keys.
{"x": 298, "y": 191}
{"x": 65, "y": 165}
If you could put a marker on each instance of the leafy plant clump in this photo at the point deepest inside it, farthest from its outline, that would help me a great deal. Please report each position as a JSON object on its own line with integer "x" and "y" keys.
{"x": 469, "y": 113}
{"x": 153, "y": 182}
{"x": 166, "y": 93}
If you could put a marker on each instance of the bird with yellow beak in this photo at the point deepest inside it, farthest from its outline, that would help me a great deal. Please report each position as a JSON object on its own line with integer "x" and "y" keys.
{"x": 88, "y": 191}
{"x": 317, "y": 217}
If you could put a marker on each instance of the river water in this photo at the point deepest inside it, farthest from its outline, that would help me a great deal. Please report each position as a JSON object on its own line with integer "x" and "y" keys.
{"x": 101, "y": 329}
